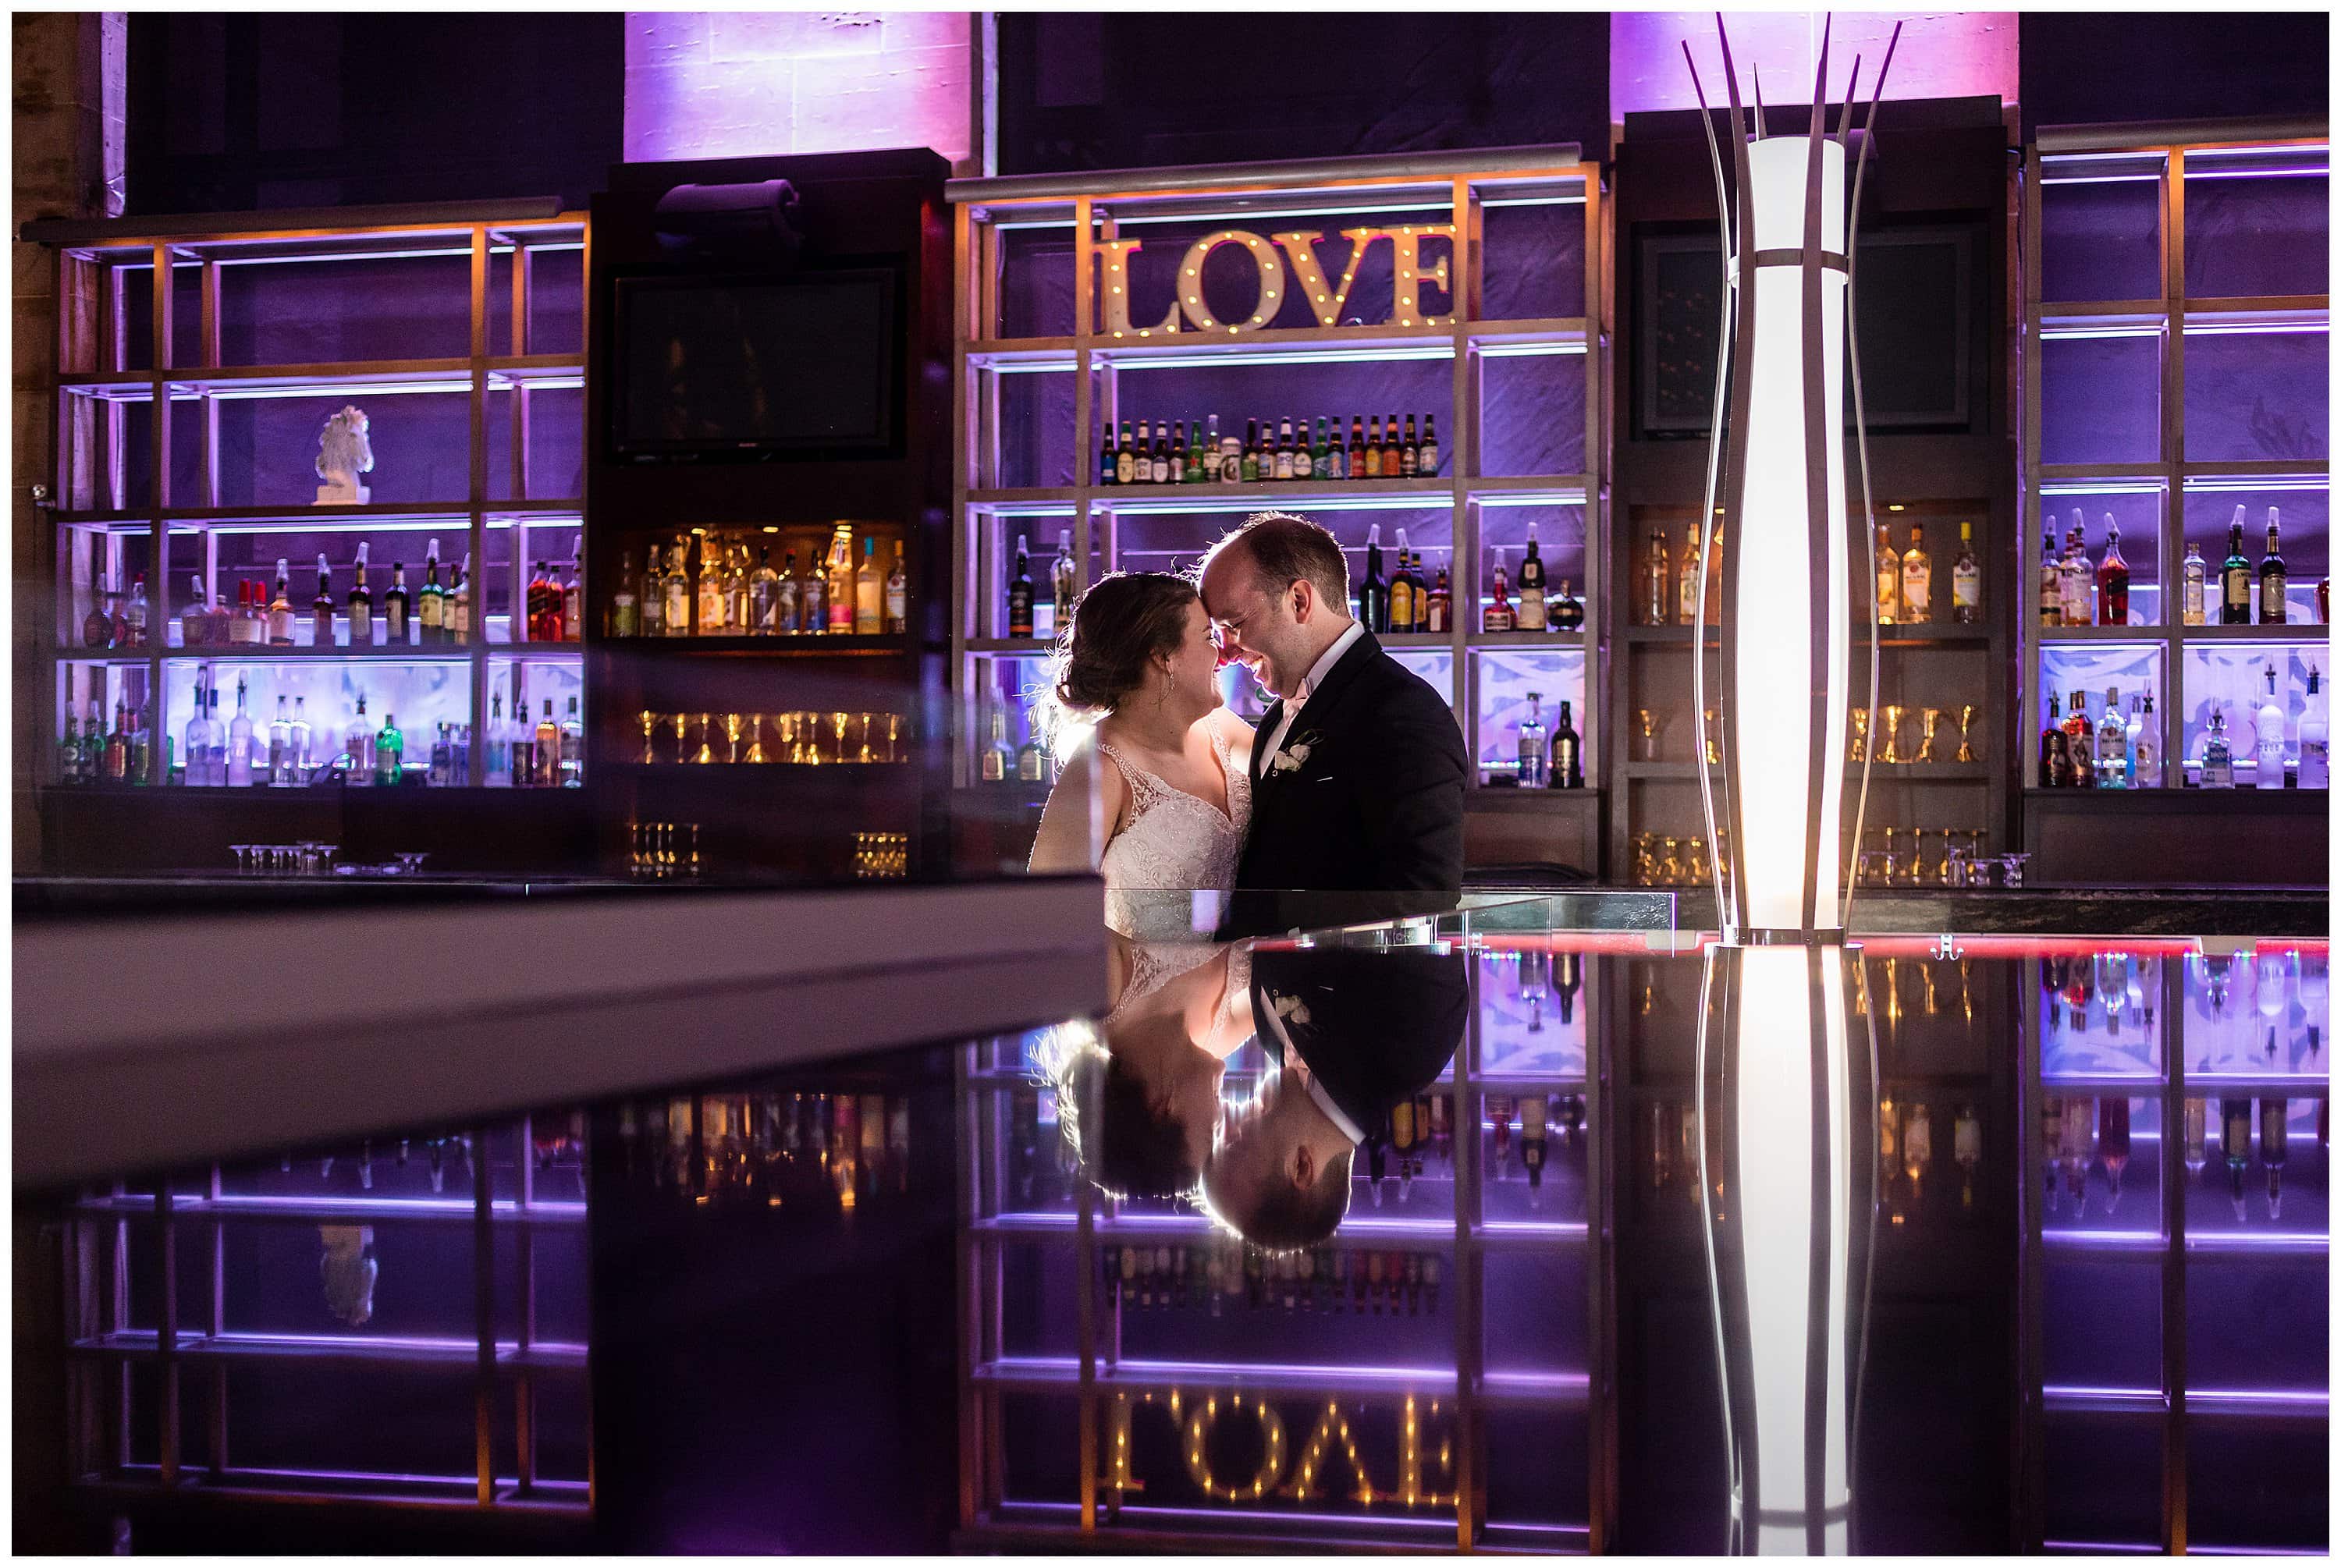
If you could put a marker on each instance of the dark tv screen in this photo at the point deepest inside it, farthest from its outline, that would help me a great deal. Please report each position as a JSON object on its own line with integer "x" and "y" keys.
{"x": 709, "y": 367}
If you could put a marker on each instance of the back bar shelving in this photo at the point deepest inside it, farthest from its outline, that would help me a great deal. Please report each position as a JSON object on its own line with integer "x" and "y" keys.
{"x": 1508, "y": 353}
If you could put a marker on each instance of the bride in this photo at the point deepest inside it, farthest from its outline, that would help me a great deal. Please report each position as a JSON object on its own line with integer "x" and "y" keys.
{"x": 1156, "y": 797}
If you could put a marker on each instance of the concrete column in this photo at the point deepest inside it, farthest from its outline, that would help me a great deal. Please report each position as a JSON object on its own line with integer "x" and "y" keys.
{"x": 735, "y": 83}
{"x": 71, "y": 76}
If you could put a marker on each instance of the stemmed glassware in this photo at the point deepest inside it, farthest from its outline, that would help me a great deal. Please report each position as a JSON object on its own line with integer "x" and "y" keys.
{"x": 1967, "y": 717}
{"x": 650, "y": 727}
{"x": 1892, "y": 754}
{"x": 1929, "y": 721}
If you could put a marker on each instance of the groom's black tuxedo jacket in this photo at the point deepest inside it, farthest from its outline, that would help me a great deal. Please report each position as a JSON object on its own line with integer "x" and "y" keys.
{"x": 1375, "y": 805}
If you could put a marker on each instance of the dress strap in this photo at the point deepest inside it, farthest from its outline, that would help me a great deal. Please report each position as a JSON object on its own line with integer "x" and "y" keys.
{"x": 1145, "y": 789}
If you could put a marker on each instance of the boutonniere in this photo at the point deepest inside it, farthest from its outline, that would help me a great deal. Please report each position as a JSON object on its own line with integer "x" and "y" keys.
{"x": 1296, "y": 752}
{"x": 1290, "y": 1009}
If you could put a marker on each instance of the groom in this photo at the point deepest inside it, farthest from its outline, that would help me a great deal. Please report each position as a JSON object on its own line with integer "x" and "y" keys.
{"x": 1358, "y": 768}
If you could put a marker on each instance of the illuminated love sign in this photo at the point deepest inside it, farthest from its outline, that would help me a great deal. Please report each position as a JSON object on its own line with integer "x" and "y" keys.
{"x": 1298, "y": 1474}
{"x": 1270, "y": 256}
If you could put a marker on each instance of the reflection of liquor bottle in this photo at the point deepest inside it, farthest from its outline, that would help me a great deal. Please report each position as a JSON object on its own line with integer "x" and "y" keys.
{"x": 2113, "y": 1141}
{"x": 2236, "y": 1146}
{"x": 1499, "y": 1114}
{"x": 2275, "y": 1140}
{"x": 1532, "y": 1139}
{"x": 2076, "y": 1152}
{"x": 1442, "y": 1130}
{"x": 1966, "y": 1148}
{"x": 1917, "y": 1146}
{"x": 2052, "y": 1125}
{"x": 2193, "y": 1117}
{"x": 998, "y": 762}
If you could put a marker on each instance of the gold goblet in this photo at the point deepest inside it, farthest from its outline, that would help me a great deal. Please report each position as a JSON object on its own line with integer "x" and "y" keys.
{"x": 1892, "y": 754}
{"x": 706, "y": 734}
{"x": 1929, "y": 721}
{"x": 1967, "y": 717}
{"x": 861, "y": 727}
{"x": 731, "y": 735}
{"x": 650, "y": 728}
{"x": 1714, "y": 717}
{"x": 1857, "y": 723}
{"x": 755, "y": 738}
{"x": 837, "y": 725}
{"x": 1646, "y": 735}
{"x": 680, "y": 753}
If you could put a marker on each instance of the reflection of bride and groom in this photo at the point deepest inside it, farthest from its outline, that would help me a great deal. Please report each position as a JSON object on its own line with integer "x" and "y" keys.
{"x": 1352, "y": 785}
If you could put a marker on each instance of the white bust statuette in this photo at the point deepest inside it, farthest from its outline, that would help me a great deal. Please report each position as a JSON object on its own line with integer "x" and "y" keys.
{"x": 343, "y": 454}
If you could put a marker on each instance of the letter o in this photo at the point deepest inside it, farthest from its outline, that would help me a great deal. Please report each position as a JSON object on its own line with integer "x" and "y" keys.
{"x": 1264, "y": 256}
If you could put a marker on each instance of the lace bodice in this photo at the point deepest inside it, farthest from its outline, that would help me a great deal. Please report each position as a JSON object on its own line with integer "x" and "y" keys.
{"x": 1173, "y": 843}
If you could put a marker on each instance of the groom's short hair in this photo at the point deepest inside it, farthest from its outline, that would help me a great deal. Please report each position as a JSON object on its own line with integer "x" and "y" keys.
{"x": 1284, "y": 549}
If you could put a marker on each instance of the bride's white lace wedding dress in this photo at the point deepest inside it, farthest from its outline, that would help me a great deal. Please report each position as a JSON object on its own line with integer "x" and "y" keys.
{"x": 1173, "y": 845}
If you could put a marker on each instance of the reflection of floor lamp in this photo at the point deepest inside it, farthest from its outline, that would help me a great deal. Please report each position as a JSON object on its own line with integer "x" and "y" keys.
{"x": 1788, "y": 1147}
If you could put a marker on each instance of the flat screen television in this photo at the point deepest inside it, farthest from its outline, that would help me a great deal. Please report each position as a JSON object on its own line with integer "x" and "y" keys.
{"x": 750, "y": 368}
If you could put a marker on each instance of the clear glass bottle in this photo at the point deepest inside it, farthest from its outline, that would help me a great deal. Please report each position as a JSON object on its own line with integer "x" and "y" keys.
{"x": 302, "y": 742}
{"x": 2316, "y": 727}
{"x": 813, "y": 598}
{"x": 2052, "y": 591}
{"x": 713, "y": 602}
{"x": 442, "y": 758}
{"x": 1686, "y": 581}
{"x": 572, "y": 749}
{"x": 997, "y": 762}
{"x": 1064, "y": 580}
{"x": 239, "y": 740}
{"x": 1967, "y": 581}
{"x": 1918, "y": 579}
{"x": 841, "y": 579}
{"x": 357, "y": 744}
{"x": 674, "y": 597}
{"x": 764, "y": 595}
{"x": 785, "y": 591}
{"x": 2218, "y": 761}
{"x": 198, "y": 740}
{"x": 1889, "y": 580}
{"x": 1658, "y": 581}
{"x": 2267, "y": 728}
{"x": 2192, "y": 574}
{"x": 280, "y": 745}
{"x": 1532, "y": 751}
{"x": 625, "y": 609}
{"x": 2113, "y": 745}
{"x": 898, "y": 596}
{"x": 650, "y": 594}
{"x": 547, "y": 755}
{"x": 389, "y": 751}
{"x": 499, "y": 744}
{"x": 2147, "y": 746}
{"x": 2073, "y": 577}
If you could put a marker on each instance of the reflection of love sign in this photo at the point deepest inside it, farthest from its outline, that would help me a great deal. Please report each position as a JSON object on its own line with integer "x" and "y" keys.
{"x": 1303, "y": 1475}
{"x": 1270, "y": 261}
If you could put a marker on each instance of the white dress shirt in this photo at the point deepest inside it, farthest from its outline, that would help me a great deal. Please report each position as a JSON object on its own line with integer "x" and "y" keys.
{"x": 1294, "y": 1064}
{"x": 1308, "y": 683}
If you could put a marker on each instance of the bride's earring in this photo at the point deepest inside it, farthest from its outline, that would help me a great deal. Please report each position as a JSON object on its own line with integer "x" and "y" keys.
{"x": 1169, "y": 685}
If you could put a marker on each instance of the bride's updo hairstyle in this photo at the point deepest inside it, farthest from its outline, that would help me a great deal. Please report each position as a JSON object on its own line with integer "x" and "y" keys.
{"x": 1119, "y": 625}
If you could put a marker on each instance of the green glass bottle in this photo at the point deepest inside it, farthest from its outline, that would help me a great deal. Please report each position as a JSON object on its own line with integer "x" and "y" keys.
{"x": 389, "y": 747}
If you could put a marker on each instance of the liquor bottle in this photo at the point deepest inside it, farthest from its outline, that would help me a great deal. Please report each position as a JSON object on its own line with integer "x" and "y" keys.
{"x": 1966, "y": 1148}
{"x": 1419, "y": 584}
{"x": 572, "y": 591}
{"x": 898, "y": 596}
{"x": 2113, "y": 580}
{"x": 1304, "y": 461}
{"x": 1531, "y": 750}
{"x": 813, "y": 597}
{"x": 1568, "y": 614}
{"x": 1064, "y": 582}
{"x": 2276, "y": 1141}
{"x": 239, "y": 740}
{"x": 1401, "y": 591}
{"x": 2056, "y": 759}
{"x": 2190, "y": 593}
{"x": 116, "y": 766}
{"x": 133, "y": 617}
{"x": 361, "y": 605}
{"x": 280, "y": 746}
{"x": 709, "y": 597}
{"x": 1686, "y": 581}
{"x": 148, "y": 766}
{"x": 2235, "y": 577}
{"x": 298, "y": 743}
{"x": 1967, "y": 581}
{"x": 841, "y": 579}
{"x": 2073, "y": 577}
{"x": 1498, "y": 616}
{"x": 785, "y": 588}
{"x": 2219, "y": 760}
{"x": 2273, "y": 611}
{"x": 1392, "y": 460}
{"x": 674, "y": 617}
{"x": 2081, "y": 740}
{"x": 1106, "y": 466}
{"x": 648, "y": 596}
{"x": 869, "y": 591}
{"x": 1125, "y": 458}
{"x": 545, "y": 757}
{"x": 1889, "y": 580}
{"x": 2315, "y": 738}
{"x": 2145, "y": 746}
{"x": 997, "y": 763}
{"x": 1568, "y": 753}
{"x": 1020, "y": 594}
{"x": 69, "y": 753}
{"x": 572, "y": 747}
{"x": 1530, "y": 616}
{"x": 280, "y": 607}
{"x": 1440, "y": 606}
{"x": 2235, "y": 1147}
{"x": 431, "y": 601}
{"x": 1356, "y": 459}
{"x": 389, "y": 751}
{"x": 1374, "y": 591}
{"x": 1426, "y": 459}
{"x": 1532, "y": 1139}
{"x": 442, "y": 758}
{"x": 395, "y": 604}
{"x": 1158, "y": 467}
{"x": 357, "y": 744}
{"x": 1032, "y": 762}
{"x": 763, "y": 595}
{"x": 195, "y": 621}
{"x": 2113, "y": 745}
{"x": 1918, "y": 579}
{"x": 2268, "y": 769}
{"x": 238, "y": 629}
{"x": 2052, "y": 593}
{"x": 1658, "y": 581}
{"x": 97, "y": 626}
